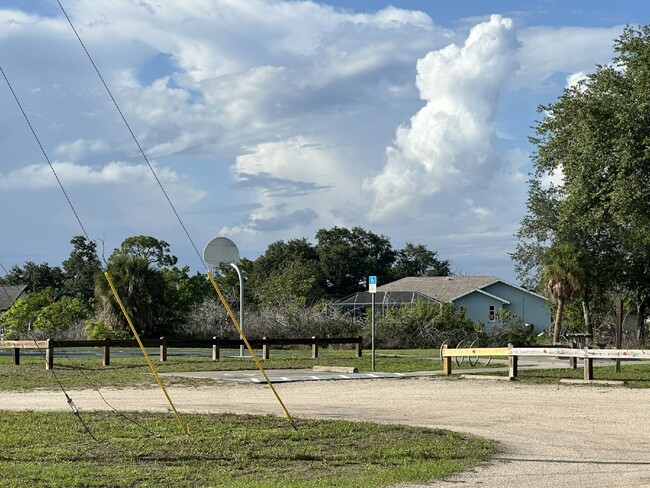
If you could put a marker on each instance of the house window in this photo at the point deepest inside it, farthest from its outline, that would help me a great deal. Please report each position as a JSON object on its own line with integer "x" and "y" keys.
{"x": 492, "y": 314}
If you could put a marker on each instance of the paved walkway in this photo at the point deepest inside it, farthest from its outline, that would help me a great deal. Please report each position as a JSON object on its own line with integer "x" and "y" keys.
{"x": 292, "y": 375}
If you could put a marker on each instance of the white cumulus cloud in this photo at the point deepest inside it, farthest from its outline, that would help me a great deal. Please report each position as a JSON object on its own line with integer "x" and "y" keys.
{"x": 448, "y": 145}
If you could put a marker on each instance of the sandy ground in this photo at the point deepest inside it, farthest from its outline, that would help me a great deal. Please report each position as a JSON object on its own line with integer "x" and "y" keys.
{"x": 552, "y": 436}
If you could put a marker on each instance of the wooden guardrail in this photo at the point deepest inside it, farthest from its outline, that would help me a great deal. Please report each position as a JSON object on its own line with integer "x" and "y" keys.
{"x": 448, "y": 354}
{"x": 48, "y": 346}
{"x": 514, "y": 353}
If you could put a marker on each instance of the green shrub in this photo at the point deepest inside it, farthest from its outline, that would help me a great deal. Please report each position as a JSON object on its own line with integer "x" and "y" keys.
{"x": 98, "y": 330}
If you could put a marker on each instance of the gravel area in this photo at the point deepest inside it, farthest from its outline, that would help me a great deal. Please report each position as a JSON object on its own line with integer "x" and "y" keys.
{"x": 552, "y": 435}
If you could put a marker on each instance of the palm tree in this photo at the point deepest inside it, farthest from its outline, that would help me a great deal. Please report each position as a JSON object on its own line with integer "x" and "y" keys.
{"x": 564, "y": 279}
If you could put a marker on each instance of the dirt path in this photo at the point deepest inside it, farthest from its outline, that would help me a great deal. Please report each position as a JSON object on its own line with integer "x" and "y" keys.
{"x": 553, "y": 436}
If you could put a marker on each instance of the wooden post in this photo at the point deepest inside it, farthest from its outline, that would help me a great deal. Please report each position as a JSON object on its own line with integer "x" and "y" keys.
{"x": 589, "y": 369}
{"x": 106, "y": 356}
{"x": 619, "y": 331}
{"x": 163, "y": 350}
{"x": 446, "y": 362}
{"x": 573, "y": 362}
{"x": 314, "y": 347}
{"x": 513, "y": 367}
{"x": 266, "y": 353}
{"x": 359, "y": 347}
{"x": 49, "y": 355}
{"x": 215, "y": 349}
{"x": 15, "y": 355}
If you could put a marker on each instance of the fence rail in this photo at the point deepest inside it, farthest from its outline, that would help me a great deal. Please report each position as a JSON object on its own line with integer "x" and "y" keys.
{"x": 586, "y": 354}
{"x": 265, "y": 343}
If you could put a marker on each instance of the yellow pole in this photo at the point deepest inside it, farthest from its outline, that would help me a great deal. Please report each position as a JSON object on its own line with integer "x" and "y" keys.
{"x": 144, "y": 351}
{"x": 250, "y": 349}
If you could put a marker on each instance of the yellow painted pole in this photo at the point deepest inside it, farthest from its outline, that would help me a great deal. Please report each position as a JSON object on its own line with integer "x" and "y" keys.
{"x": 146, "y": 355}
{"x": 250, "y": 349}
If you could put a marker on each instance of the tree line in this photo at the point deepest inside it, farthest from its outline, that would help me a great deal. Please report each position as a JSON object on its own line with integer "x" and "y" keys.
{"x": 586, "y": 238}
{"x": 290, "y": 282}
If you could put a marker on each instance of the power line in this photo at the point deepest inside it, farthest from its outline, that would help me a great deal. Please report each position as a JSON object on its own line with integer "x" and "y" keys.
{"x": 135, "y": 139}
{"x": 38, "y": 141}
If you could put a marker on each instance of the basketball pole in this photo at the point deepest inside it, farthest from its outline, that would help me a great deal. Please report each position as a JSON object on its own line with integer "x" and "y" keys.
{"x": 241, "y": 306}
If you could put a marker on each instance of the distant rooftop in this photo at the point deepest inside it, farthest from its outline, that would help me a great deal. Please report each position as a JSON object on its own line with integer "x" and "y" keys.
{"x": 441, "y": 288}
{"x": 9, "y": 294}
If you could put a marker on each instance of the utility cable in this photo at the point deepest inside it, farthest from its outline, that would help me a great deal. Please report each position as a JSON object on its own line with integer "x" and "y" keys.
{"x": 38, "y": 141}
{"x": 146, "y": 355}
{"x": 69, "y": 400}
{"x": 83, "y": 229}
{"x": 135, "y": 139}
{"x": 76, "y": 367}
{"x": 178, "y": 217}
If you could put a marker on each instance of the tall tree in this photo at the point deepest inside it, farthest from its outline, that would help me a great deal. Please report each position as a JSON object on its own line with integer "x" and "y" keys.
{"x": 287, "y": 272}
{"x": 136, "y": 269}
{"x": 38, "y": 276}
{"x": 564, "y": 279}
{"x": 154, "y": 251}
{"x": 596, "y": 137}
{"x": 81, "y": 267}
{"x": 417, "y": 260}
{"x": 348, "y": 257}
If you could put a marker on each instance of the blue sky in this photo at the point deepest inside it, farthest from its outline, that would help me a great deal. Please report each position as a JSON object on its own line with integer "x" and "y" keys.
{"x": 269, "y": 120}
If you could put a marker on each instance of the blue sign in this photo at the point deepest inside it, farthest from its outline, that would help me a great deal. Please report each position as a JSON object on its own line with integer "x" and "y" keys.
{"x": 372, "y": 284}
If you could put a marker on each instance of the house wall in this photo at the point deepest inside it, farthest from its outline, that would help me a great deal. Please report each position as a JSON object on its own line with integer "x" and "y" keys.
{"x": 477, "y": 307}
{"x": 530, "y": 308}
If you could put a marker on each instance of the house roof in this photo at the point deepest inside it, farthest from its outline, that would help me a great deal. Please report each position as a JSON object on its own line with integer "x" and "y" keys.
{"x": 364, "y": 298}
{"x": 9, "y": 294}
{"x": 446, "y": 288}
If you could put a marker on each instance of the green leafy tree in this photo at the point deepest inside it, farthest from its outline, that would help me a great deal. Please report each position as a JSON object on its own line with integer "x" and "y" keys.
{"x": 564, "y": 279}
{"x": 288, "y": 273}
{"x": 136, "y": 271}
{"x": 44, "y": 312}
{"x": 295, "y": 286}
{"x": 155, "y": 251}
{"x": 186, "y": 290}
{"x": 81, "y": 267}
{"x": 417, "y": 260}
{"x": 278, "y": 253}
{"x": 596, "y": 136}
{"x": 347, "y": 257}
{"x": 37, "y": 276}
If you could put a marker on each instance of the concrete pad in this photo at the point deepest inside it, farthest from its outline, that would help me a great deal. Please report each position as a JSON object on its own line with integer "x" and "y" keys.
{"x": 484, "y": 377}
{"x": 335, "y": 369}
{"x": 569, "y": 381}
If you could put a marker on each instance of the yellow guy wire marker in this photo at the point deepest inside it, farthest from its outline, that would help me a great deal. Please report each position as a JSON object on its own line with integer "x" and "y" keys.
{"x": 144, "y": 351}
{"x": 250, "y": 349}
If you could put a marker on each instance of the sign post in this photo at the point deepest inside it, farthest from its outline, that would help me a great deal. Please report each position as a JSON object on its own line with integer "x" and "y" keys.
{"x": 372, "y": 288}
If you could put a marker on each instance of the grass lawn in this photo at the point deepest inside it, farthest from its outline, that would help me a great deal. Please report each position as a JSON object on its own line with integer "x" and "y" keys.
{"x": 634, "y": 374}
{"x": 134, "y": 371}
{"x": 53, "y": 450}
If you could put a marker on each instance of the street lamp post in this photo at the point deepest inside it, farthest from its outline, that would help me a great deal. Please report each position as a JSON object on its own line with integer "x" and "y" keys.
{"x": 241, "y": 305}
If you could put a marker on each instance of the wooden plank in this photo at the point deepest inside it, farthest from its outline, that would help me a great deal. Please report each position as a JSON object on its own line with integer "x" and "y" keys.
{"x": 23, "y": 344}
{"x": 475, "y": 351}
{"x": 618, "y": 354}
{"x": 547, "y": 351}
